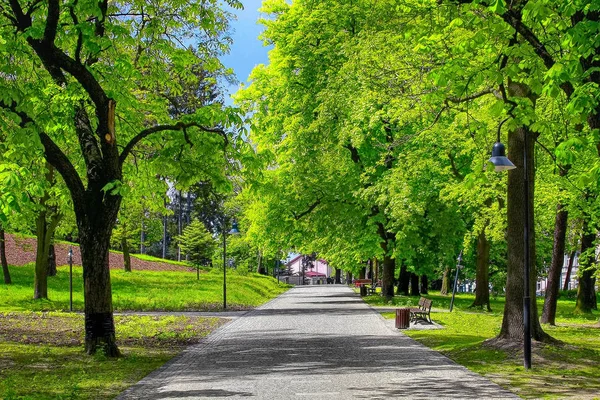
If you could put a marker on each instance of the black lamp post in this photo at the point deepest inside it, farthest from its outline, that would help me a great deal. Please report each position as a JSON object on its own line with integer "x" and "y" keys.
{"x": 234, "y": 231}
{"x": 458, "y": 266}
{"x": 502, "y": 163}
{"x": 70, "y": 257}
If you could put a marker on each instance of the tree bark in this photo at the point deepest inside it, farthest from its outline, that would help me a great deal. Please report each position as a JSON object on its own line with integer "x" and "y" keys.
{"x": 387, "y": 289}
{"x": 414, "y": 284}
{"x": 424, "y": 284}
{"x": 569, "y": 270}
{"x": 586, "y": 294}
{"x": 512, "y": 322}
{"x": 558, "y": 257}
{"x": 482, "y": 281}
{"x": 338, "y": 276}
{"x": 51, "y": 261}
{"x": 403, "y": 280}
{"x": 348, "y": 277}
{"x": 5, "y": 270}
{"x": 445, "y": 282}
{"x": 362, "y": 273}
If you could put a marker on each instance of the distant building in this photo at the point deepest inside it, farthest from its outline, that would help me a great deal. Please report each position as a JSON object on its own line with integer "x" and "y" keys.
{"x": 317, "y": 273}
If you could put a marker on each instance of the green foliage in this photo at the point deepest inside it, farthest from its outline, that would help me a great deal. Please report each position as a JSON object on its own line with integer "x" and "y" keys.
{"x": 197, "y": 243}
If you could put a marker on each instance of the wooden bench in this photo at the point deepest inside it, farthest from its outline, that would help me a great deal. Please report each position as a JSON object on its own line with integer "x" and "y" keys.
{"x": 422, "y": 312}
{"x": 361, "y": 282}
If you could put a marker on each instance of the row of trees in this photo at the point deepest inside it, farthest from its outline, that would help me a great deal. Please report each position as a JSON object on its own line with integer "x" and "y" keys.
{"x": 374, "y": 121}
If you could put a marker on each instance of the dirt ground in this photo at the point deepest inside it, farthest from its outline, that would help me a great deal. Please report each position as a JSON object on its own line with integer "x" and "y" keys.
{"x": 20, "y": 251}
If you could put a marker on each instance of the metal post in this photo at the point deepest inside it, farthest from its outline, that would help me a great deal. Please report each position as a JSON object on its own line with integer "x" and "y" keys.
{"x": 526, "y": 296}
{"x": 455, "y": 280}
{"x": 224, "y": 266}
{"x": 71, "y": 278}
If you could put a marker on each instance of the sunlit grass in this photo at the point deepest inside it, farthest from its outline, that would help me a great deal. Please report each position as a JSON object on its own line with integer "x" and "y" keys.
{"x": 41, "y": 355}
{"x": 570, "y": 370}
{"x": 144, "y": 290}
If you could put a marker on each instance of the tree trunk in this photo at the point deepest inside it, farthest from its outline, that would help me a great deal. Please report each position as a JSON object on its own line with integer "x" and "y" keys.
{"x": 558, "y": 257}
{"x": 414, "y": 284}
{"x": 512, "y": 322}
{"x": 387, "y": 289}
{"x": 179, "y": 228}
{"x": 569, "y": 270}
{"x": 362, "y": 273}
{"x": 51, "y": 261}
{"x": 44, "y": 234}
{"x": 338, "y": 276}
{"x": 482, "y": 281}
{"x": 445, "y": 282}
{"x": 403, "y": 280}
{"x": 95, "y": 244}
{"x": 164, "y": 241}
{"x": 586, "y": 294}
{"x": 424, "y": 284}
{"x": 348, "y": 277}
{"x": 125, "y": 248}
{"x": 5, "y": 270}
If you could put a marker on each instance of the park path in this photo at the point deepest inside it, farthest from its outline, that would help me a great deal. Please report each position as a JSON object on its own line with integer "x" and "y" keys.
{"x": 312, "y": 342}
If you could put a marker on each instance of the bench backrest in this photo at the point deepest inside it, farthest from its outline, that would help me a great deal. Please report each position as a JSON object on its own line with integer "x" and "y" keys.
{"x": 427, "y": 305}
{"x": 422, "y": 302}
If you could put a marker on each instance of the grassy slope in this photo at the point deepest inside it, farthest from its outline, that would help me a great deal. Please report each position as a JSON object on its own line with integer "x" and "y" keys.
{"x": 143, "y": 290}
{"x": 570, "y": 370}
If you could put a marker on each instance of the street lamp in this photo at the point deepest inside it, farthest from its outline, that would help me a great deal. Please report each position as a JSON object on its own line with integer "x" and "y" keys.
{"x": 234, "y": 231}
{"x": 502, "y": 163}
{"x": 458, "y": 266}
{"x": 70, "y": 259}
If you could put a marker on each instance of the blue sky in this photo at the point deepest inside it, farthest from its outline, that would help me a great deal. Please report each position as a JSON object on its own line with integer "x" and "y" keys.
{"x": 247, "y": 50}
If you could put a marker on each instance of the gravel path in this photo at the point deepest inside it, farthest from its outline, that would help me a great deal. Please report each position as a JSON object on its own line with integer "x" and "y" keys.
{"x": 313, "y": 342}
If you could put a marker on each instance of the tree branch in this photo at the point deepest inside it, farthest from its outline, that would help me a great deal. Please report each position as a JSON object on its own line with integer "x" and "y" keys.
{"x": 307, "y": 211}
{"x": 162, "y": 128}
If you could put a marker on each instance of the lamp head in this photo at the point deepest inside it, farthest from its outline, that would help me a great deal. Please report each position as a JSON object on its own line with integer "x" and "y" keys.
{"x": 499, "y": 159}
{"x": 234, "y": 228}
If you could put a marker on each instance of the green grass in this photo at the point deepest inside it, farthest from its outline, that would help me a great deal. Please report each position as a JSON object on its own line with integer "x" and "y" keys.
{"x": 41, "y": 355}
{"x": 144, "y": 290}
{"x": 568, "y": 370}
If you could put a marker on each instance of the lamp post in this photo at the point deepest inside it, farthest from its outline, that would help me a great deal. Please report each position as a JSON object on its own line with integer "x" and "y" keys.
{"x": 234, "y": 231}
{"x": 502, "y": 163}
{"x": 458, "y": 266}
{"x": 70, "y": 257}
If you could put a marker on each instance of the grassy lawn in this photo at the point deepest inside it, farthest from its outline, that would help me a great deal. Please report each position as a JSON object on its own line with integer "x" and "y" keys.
{"x": 144, "y": 290}
{"x": 568, "y": 370}
{"x": 41, "y": 354}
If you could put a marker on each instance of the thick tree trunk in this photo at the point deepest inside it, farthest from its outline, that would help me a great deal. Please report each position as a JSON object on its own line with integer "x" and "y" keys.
{"x": 5, "y": 270}
{"x": 558, "y": 257}
{"x": 482, "y": 281}
{"x": 338, "y": 276}
{"x": 403, "y": 280}
{"x": 95, "y": 244}
{"x": 424, "y": 284}
{"x": 569, "y": 270}
{"x": 414, "y": 284}
{"x": 348, "y": 277}
{"x": 51, "y": 261}
{"x": 445, "y": 282}
{"x": 512, "y": 322}
{"x": 44, "y": 234}
{"x": 586, "y": 294}
{"x": 387, "y": 289}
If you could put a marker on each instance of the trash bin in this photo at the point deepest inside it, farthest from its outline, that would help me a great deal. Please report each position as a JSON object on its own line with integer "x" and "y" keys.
{"x": 363, "y": 290}
{"x": 402, "y": 318}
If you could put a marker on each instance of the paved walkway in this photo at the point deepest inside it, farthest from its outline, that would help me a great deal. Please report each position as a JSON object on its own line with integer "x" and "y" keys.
{"x": 313, "y": 342}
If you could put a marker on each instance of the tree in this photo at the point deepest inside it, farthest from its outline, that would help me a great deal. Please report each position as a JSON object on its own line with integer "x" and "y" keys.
{"x": 86, "y": 58}
{"x": 5, "y": 269}
{"x": 198, "y": 244}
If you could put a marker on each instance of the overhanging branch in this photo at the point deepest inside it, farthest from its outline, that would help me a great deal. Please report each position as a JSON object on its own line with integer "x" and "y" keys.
{"x": 162, "y": 128}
